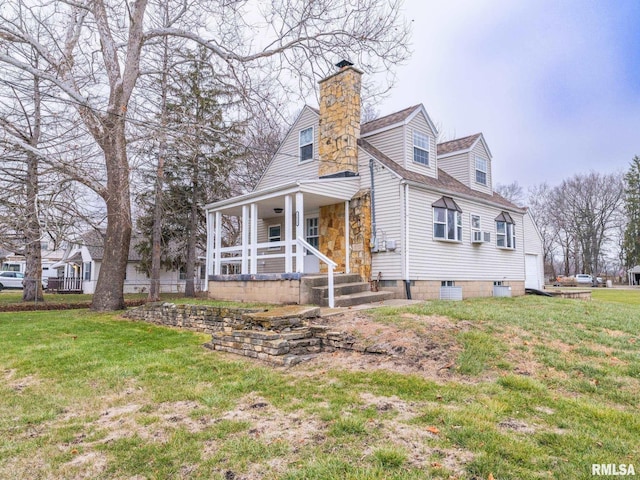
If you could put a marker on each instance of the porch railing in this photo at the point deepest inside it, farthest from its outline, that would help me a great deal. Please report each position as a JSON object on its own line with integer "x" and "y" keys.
{"x": 65, "y": 284}
{"x": 233, "y": 255}
{"x": 330, "y": 264}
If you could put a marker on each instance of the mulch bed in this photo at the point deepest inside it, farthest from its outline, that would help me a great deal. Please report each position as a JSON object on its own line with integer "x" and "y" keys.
{"x": 32, "y": 306}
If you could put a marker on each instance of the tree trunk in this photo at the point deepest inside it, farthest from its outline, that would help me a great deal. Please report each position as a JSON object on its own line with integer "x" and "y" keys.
{"x": 32, "y": 288}
{"x": 189, "y": 287}
{"x": 158, "y": 208}
{"x": 109, "y": 288}
{"x": 32, "y": 291}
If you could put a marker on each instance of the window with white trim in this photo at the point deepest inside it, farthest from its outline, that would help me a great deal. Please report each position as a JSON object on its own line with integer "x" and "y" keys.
{"x": 306, "y": 144}
{"x": 476, "y": 234}
{"x": 481, "y": 170}
{"x": 447, "y": 220}
{"x": 420, "y": 148}
{"x": 505, "y": 231}
{"x": 312, "y": 233}
{"x": 448, "y": 283}
{"x": 274, "y": 234}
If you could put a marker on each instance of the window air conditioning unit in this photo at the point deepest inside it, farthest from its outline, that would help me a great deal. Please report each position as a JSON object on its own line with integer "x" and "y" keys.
{"x": 481, "y": 237}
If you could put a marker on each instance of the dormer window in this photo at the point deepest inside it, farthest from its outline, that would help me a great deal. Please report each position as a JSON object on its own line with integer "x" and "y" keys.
{"x": 481, "y": 170}
{"x": 306, "y": 144}
{"x": 420, "y": 148}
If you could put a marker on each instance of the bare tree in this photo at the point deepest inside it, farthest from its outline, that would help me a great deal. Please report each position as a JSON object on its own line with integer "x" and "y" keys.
{"x": 92, "y": 49}
{"x": 512, "y": 191}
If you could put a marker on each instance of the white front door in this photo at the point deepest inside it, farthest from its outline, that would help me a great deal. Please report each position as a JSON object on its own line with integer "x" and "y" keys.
{"x": 311, "y": 233}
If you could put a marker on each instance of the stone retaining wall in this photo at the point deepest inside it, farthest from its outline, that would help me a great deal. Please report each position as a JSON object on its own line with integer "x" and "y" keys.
{"x": 198, "y": 318}
{"x": 284, "y": 335}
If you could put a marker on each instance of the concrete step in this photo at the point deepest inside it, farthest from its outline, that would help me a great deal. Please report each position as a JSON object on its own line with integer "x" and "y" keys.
{"x": 320, "y": 280}
{"x": 359, "y": 298}
{"x": 320, "y": 293}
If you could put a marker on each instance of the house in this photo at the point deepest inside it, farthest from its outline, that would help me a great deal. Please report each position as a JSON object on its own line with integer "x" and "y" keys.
{"x": 81, "y": 263}
{"x": 16, "y": 261}
{"x": 381, "y": 200}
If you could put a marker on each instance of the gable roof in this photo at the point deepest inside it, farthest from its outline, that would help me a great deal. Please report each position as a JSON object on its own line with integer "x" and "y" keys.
{"x": 445, "y": 183}
{"x": 388, "y": 120}
{"x": 94, "y": 241}
{"x": 459, "y": 144}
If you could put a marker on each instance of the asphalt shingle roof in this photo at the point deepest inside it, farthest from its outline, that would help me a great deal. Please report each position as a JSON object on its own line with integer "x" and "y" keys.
{"x": 445, "y": 183}
{"x": 387, "y": 120}
{"x": 458, "y": 144}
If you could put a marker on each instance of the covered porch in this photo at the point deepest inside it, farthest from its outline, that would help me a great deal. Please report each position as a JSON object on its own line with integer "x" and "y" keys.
{"x": 281, "y": 233}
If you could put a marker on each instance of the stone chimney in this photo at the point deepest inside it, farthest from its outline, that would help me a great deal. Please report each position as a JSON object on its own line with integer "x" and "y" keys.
{"x": 339, "y": 122}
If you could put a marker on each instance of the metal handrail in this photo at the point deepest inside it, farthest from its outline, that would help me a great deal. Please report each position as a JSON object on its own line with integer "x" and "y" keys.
{"x": 330, "y": 263}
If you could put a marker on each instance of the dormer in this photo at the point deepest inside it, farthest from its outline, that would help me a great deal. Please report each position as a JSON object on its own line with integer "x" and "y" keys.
{"x": 468, "y": 160}
{"x": 407, "y": 137}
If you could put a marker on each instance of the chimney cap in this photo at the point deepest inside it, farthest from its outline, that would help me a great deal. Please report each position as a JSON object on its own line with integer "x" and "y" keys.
{"x": 344, "y": 63}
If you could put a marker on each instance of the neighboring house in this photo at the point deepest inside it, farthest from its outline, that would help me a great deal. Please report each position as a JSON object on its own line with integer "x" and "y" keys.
{"x": 81, "y": 266}
{"x": 15, "y": 261}
{"x": 380, "y": 199}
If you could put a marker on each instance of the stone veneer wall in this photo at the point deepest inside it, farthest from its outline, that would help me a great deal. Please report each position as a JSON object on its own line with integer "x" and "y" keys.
{"x": 339, "y": 122}
{"x": 360, "y": 234}
{"x": 331, "y": 235}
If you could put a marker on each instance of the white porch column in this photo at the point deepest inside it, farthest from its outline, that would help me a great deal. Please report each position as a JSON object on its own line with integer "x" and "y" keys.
{"x": 209, "y": 260}
{"x": 347, "y": 244}
{"x": 245, "y": 240}
{"x": 288, "y": 234}
{"x": 299, "y": 231}
{"x": 254, "y": 238}
{"x": 218, "y": 244}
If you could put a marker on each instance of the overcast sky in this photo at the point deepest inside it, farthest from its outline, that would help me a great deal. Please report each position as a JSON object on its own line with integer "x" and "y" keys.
{"x": 553, "y": 85}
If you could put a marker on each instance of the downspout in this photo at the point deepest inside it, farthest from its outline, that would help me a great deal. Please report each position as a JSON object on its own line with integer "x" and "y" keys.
{"x": 407, "y": 280}
{"x": 374, "y": 228}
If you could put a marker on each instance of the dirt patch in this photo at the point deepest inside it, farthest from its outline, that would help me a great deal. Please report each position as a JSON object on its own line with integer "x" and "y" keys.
{"x": 517, "y": 426}
{"x": 424, "y": 345}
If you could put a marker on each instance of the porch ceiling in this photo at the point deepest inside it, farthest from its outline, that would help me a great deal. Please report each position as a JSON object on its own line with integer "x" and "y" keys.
{"x": 316, "y": 193}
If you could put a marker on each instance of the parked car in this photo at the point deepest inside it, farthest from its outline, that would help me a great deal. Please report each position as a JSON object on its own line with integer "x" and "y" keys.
{"x": 584, "y": 279}
{"x": 11, "y": 280}
{"x": 15, "y": 280}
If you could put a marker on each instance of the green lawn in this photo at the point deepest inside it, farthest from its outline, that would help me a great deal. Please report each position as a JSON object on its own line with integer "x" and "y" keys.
{"x": 543, "y": 388}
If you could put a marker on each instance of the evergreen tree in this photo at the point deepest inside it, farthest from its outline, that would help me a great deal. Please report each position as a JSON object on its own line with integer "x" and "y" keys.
{"x": 631, "y": 244}
{"x": 202, "y": 150}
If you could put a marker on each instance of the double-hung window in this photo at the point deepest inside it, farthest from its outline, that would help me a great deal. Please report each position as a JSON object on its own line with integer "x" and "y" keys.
{"x": 481, "y": 170}
{"x": 306, "y": 144}
{"x": 420, "y": 148}
{"x": 447, "y": 220}
{"x": 505, "y": 231}
{"x": 476, "y": 234}
{"x": 274, "y": 234}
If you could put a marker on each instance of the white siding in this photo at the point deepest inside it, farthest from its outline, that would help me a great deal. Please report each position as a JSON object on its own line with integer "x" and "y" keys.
{"x": 457, "y": 166}
{"x": 420, "y": 124}
{"x": 533, "y": 247}
{"x": 439, "y": 260}
{"x": 285, "y": 167}
{"x": 480, "y": 151}
{"x": 388, "y": 223}
{"x": 390, "y": 142}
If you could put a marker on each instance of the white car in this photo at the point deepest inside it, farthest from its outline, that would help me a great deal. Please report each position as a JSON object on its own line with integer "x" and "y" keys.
{"x": 584, "y": 278}
{"x": 15, "y": 280}
{"x": 11, "y": 280}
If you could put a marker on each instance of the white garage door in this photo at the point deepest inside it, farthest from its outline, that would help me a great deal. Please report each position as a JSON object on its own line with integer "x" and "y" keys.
{"x": 532, "y": 272}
